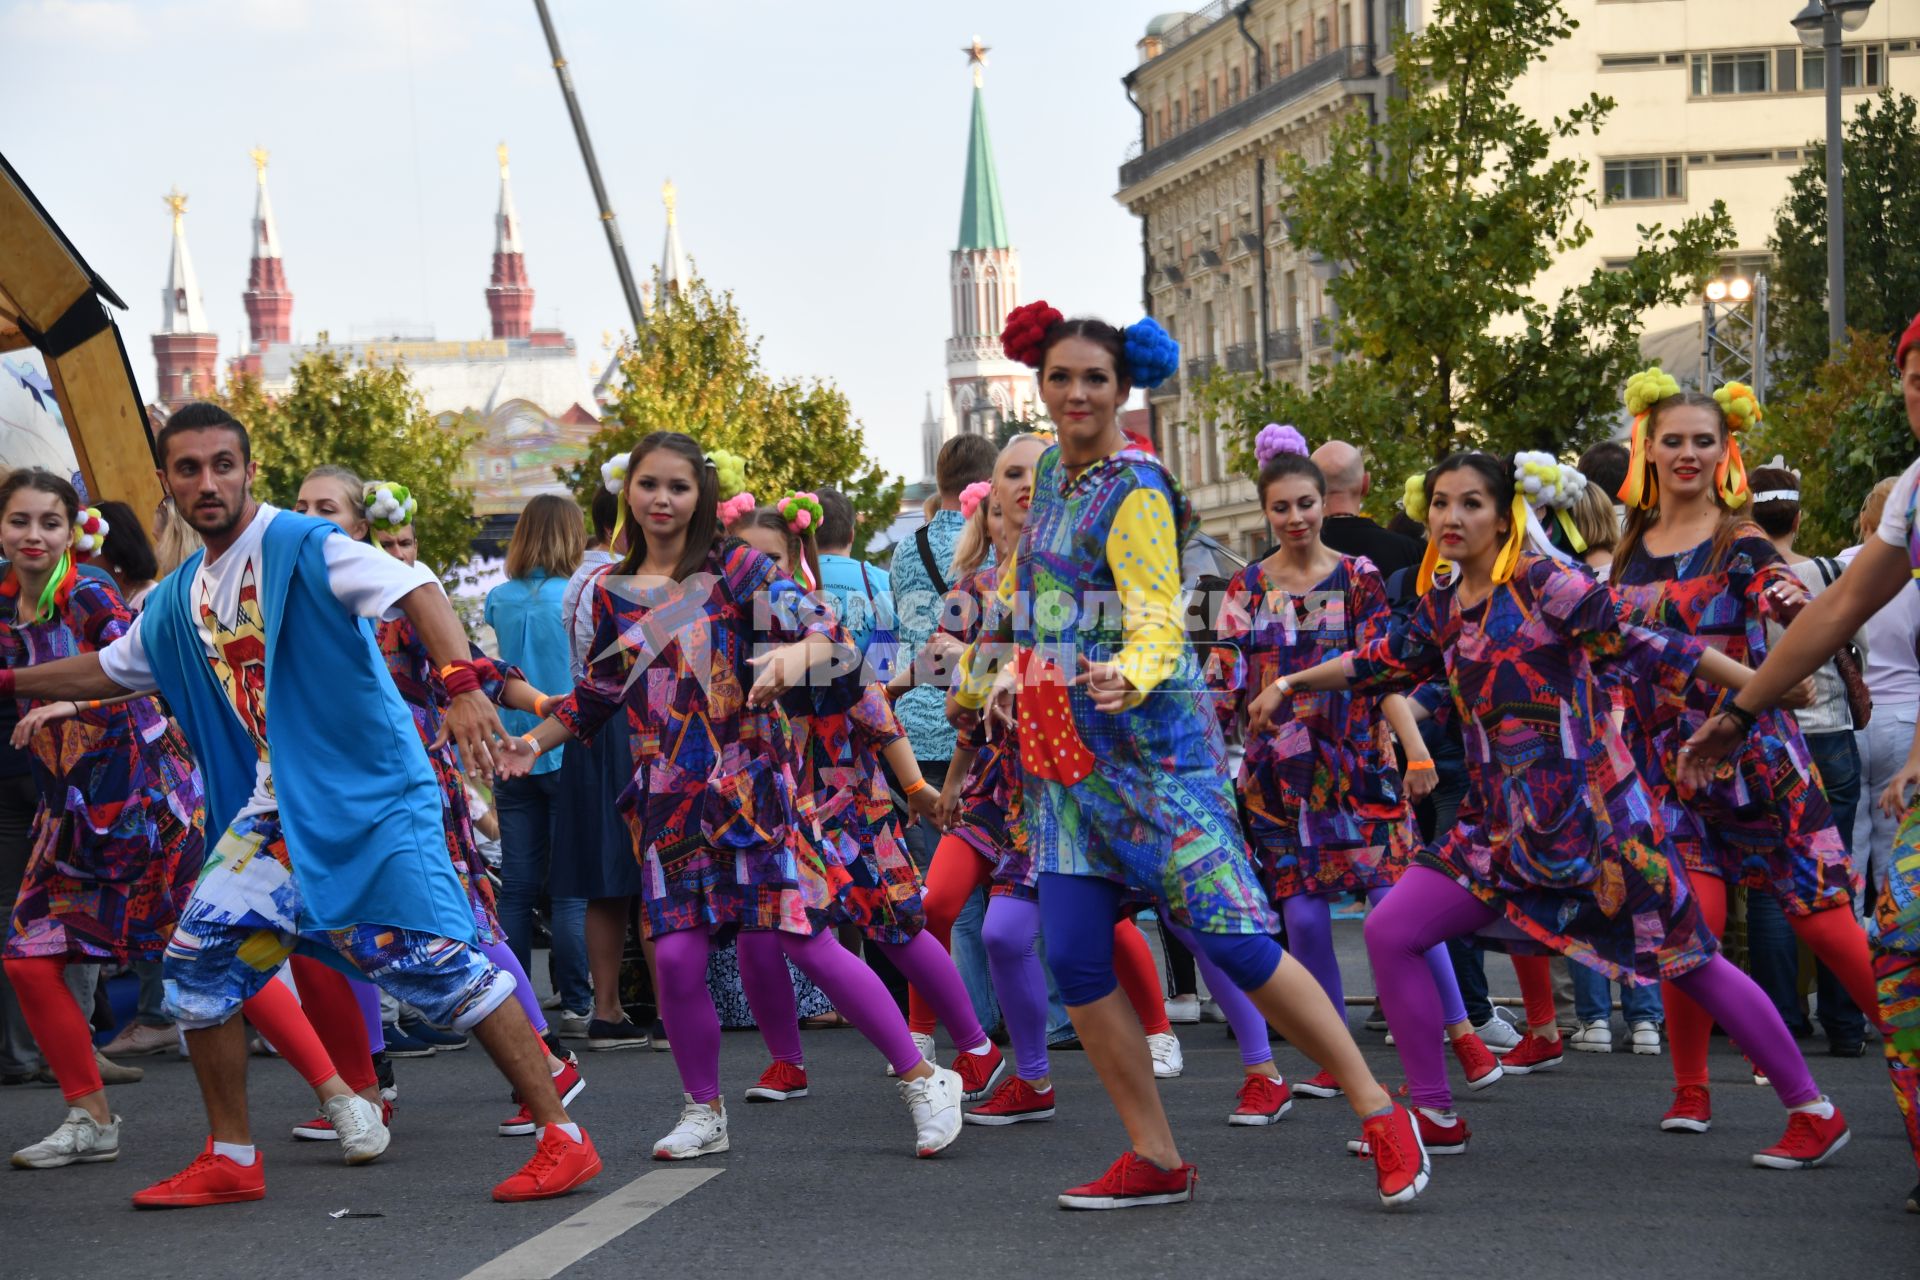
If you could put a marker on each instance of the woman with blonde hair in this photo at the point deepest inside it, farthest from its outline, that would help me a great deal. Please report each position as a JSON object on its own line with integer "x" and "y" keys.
{"x": 173, "y": 538}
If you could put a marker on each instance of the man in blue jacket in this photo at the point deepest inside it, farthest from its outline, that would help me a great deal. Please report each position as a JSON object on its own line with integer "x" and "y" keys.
{"x": 331, "y": 840}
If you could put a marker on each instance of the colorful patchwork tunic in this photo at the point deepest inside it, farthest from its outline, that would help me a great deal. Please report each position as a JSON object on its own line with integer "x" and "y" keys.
{"x": 1140, "y": 796}
{"x": 1319, "y": 792}
{"x": 1556, "y": 831}
{"x": 1766, "y": 824}
{"x": 118, "y": 837}
{"x": 989, "y": 817}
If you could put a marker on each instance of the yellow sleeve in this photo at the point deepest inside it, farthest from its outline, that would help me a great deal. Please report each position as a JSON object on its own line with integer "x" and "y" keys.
{"x": 973, "y": 680}
{"x": 1143, "y": 551}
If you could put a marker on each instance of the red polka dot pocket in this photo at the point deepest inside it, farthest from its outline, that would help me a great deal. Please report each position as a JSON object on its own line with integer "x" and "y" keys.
{"x": 1050, "y": 745}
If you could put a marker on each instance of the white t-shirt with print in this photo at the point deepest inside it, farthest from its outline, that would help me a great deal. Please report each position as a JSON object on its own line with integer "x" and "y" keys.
{"x": 233, "y": 629}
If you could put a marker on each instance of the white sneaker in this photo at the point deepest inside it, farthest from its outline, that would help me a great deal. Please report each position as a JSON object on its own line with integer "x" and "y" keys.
{"x": 80, "y": 1139}
{"x": 1646, "y": 1039}
{"x": 927, "y": 1048}
{"x": 1210, "y": 1012}
{"x": 702, "y": 1131}
{"x": 356, "y": 1123}
{"x": 1593, "y": 1037}
{"x": 933, "y": 1103}
{"x": 1498, "y": 1033}
{"x": 1167, "y": 1060}
{"x": 569, "y": 1025}
{"x": 1184, "y": 1010}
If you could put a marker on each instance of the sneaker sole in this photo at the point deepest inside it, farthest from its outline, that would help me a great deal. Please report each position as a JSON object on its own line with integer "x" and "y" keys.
{"x": 1548, "y": 1065}
{"x": 1358, "y": 1147}
{"x": 1174, "y": 1074}
{"x": 1647, "y": 1050}
{"x": 114, "y": 1051}
{"x": 1420, "y": 1180}
{"x": 710, "y": 1149}
{"x": 98, "y": 1157}
{"x": 578, "y": 1087}
{"x": 1315, "y": 1091}
{"x": 517, "y": 1130}
{"x": 993, "y": 1082}
{"x": 1761, "y": 1160}
{"x": 1594, "y": 1048}
{"x": 204, "y": 1198}
{"x": 757, "y": 1094}
{"x": 549, "y": 1193}
{"x": 305, "y": 1134}
{"x": 975, "y": 1117}
{"x": 1247, "y": 1120}
{"x": 409, "y": 1053}
{"x": 367, "y": 1157}
{"x": 1486, "y": 1081}
{"x": 609, "y": 1046}
{"x": 1685, "y": 1126}
{"x": 1123, "y": 1202}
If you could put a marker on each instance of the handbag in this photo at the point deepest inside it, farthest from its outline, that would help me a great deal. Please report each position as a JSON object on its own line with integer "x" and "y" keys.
{"x": 1847, "y": 661}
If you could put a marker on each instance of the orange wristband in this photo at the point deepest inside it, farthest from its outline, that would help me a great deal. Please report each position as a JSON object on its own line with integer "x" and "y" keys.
{"x": 1420, "y": 766}
{"x": 915, "y": 787}
{"x": 533, "y": 742}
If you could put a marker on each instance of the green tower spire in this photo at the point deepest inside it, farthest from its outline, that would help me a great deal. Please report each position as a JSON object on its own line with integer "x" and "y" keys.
{"x": 983, "y": 223}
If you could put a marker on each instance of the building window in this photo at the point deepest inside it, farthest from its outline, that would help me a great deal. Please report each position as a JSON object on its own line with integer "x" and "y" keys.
{"x": 1178, "y": 121}
{"x": 1856, "y": 61}
{"x": 1199, "y": 105}
{"x": 1233, "y": 85}
{"x": 1722, "y": 74}
{"x": 1646, "y": 178}
{"x": 1322, "y": 41}
{"x": 1282, "y": 60}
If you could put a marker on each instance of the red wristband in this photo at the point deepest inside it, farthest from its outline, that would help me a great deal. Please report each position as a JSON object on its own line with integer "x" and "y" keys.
{"x": 460, "y": 677}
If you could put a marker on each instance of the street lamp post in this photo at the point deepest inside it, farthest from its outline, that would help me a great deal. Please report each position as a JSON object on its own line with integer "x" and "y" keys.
{"x": 1820, "y": 25}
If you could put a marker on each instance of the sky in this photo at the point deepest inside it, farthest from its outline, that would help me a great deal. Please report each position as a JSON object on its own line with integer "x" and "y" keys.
{"x": 817, "y": 150}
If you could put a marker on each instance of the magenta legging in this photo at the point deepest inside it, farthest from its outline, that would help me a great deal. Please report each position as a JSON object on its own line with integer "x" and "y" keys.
{"x": 921, "y": 960}
{"x": 1011, "y": 935}
{"x": 1309, "y": 920}
{"x": 693, "y": 1028}
{"x": 1427, "y": 907}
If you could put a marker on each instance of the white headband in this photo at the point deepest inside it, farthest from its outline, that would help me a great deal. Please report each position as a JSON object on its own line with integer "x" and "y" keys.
{"x": 1778, "y": 495}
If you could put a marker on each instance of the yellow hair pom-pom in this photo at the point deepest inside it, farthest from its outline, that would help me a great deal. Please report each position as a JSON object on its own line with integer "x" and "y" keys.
{"x": 1413, "y": 499}
{"x": 1649, "y": 387}
{"x": 1740, "y": 405}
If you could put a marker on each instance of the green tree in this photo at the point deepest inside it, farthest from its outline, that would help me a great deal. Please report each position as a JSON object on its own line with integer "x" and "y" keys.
{"x": 1881, "y": 155}
{"x": 1843, "y": 431}
{"x": 372, "y": 421}
{"x": 1011, "y": 427}
{"x": 695, "y": 368}
{"x": 1442, "y": 214}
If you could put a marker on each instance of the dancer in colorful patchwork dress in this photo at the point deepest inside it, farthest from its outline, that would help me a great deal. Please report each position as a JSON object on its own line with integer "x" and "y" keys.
{"x": 1324, "y": 809}
{"x": 859, "y": 841}
{"x": 1886, "y": 563}
{"x": 338, "y": 495}
{"x": 1690, "y": 560}
{"x": 1125, "y": 766}
{"x": 715, "y": 781}
{"x": 332, "y": 838}
{"x": 1558, "y": 846}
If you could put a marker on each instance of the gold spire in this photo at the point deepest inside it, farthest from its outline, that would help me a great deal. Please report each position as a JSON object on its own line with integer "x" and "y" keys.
{"x": 176, "y": 200}
{"x": 668, "y": 198}
{"x": 977, "y": 59}
{"x": 259, "y": 155}
{"x": 501, "y": 151}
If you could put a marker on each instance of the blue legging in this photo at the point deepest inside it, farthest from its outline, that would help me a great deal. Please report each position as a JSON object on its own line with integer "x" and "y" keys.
{"x": 1077, "y": 915}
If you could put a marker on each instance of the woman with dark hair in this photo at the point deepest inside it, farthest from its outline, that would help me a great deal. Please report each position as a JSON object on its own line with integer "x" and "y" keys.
{"x": 696, "y": 637}
{"x": 1126, "y": 782}
{"x": 1325, "y": 813}
{"x": 127, "y": 554}
{"x": 1691, "y": 560}
{"x": 1558, "y": 846}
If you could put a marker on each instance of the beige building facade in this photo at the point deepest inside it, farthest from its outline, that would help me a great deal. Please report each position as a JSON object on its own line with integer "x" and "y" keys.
{"x": 1716, "y": 100}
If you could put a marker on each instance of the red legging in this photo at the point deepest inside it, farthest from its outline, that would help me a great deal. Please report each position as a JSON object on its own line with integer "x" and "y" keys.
{"x": 334, "y": 1012}
{"x": 957, "y": 870}
{"x": 1536, "y": 989}
{"x": 1833, "y": 935}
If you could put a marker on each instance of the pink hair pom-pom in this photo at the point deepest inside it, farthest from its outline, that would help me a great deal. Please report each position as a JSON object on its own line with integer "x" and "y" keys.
{"x": 734, "y": 508}
{"x": 972, "y": 496}
{"x": 803, "y": 518}
{"x": 1275, "y": 439}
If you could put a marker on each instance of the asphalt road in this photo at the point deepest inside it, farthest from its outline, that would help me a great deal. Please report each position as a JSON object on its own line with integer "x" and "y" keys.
{"x": 1567, "y": 1175}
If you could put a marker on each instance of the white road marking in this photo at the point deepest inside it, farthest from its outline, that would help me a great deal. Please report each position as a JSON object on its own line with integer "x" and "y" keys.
{"x": 605, "y": 1220}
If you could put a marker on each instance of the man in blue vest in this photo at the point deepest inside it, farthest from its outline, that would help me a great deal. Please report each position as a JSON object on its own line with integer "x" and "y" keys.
{"x": 331, "y": 840}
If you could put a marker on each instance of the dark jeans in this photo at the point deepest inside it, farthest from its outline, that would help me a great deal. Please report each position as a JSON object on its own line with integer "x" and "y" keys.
{"x": 1773, "y": 953}
{"x": 526, "y": 807}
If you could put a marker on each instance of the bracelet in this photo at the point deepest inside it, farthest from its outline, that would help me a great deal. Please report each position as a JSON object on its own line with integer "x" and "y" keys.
{"x": 1285, "y": 686}
{"x": 533, "y": 742}
{"x": 1420, "y": 766}
{"x": 540, "y": 705}
{"x": 460, "y": 677}
{"x": 1741, "y": 716}
{"x": 914, "y": 788}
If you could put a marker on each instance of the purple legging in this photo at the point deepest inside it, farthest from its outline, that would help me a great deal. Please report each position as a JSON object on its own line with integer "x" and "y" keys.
{"x": 1309, "y": 919}
{"x": 1248, "y": 1023}
{"x": 367, "y": 996}
{"x": 1427, "y": 907}
{"x": 503, "y": 958}
{"x": 922, "y": 961}
{"x": 693, "y": 1028}
{"x": 1011, "y": 935}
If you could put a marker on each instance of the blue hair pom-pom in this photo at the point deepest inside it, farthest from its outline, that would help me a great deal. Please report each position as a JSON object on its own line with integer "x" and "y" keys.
{"x": 1152, "y": 354}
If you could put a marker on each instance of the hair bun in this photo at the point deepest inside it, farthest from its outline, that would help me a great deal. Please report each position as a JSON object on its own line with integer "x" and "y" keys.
{"x": 390, "y": 505}
{"x": 1413, "y": 497}
{"x": 801, "y": 510}
{"x": 1152, "y": 354}
{"x": 973, "y": 495}
{"x": 613, "y": 474}
{"x": 732, "y": 509}
{"x": 1025, "y": 334}
{"x": 1649, "y": 387}
{"x": 1547, "y": 481}
{"x": 1275, "y": 439}
{"x": 1740, "y": 405}
{"x": 729, "y": 470}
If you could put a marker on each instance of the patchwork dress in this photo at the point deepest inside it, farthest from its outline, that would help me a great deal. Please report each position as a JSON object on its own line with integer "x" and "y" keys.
{"x": 1557, "y": 831}
{"x": 1767, "y": 825}
{"x": 118, "y": 837}
{"x": 989, "y": 811}
{"x": 1320, "y": 791}
{"x": 1896, "y": 936}
{"x": 712, "y": 801}
{"x": 1141, "y": 796}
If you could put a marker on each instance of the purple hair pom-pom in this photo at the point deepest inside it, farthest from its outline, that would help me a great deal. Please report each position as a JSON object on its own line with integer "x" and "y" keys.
{"x": 1275, "y": 439}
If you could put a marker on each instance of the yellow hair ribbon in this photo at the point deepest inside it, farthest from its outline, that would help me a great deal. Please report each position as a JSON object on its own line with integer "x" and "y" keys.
{"x": 1730, "y": 477}
{"x": 1741, "y": 409}
{"x": 1639, "y": 489}
{"x": 1573, "y": 534}
{"x": 1423, "y": 577}
{"x": 1509, "y": 558}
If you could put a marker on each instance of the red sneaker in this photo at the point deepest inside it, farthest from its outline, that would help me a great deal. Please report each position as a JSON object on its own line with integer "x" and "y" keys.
{"x": 1131, "y": 1182}
{"x": 210, "y": 1179}
{"x": 779, "y": 1082}
{"x": 1691, "y": 1112}
{"x": 567, "y": 1082}
{"x": 1320, "y": 1085}
{"x": 1534, "y": 1053}
{"x": 1263, "y": 1100}
{"x": 1809, "y": 1140}
{"x": 1441, "y": 1136}
{"x": 1400, "y": 1164}
{"x": 1014, "y": 1102}
{"x": 1482, "y": 1068}
{"x": 320, "y": 1129}
{"x": 979, "y": 1072}
{"x": 520, "y": 1123}
{"x": 559, "y": 1165}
